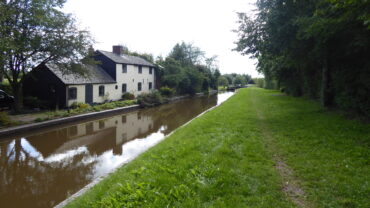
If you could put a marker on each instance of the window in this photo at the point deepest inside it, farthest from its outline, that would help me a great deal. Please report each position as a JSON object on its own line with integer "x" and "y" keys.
{"x": 124, "y": 119}
{"x": 116, "y": 86}
{"x": 72, "y": 131}
{"x": 150, "y": 70}
{"x": 124, "y": 87}
{"x": 72, "y": 93}
{"x": 101, "y": 90}
{"x": 101, "y": 124}
{"x": 139, "y": 86}
{"x": 124, "y": 68}
{"x": 140, "y": 69}
{"x": 89, "y": 128}
{"x": 150, "y": 85}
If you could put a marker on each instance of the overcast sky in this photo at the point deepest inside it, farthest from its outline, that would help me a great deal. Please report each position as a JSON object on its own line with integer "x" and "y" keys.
{"x": 156, "y": 26}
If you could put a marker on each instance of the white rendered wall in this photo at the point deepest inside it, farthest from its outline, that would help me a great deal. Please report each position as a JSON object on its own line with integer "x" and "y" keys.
{"x": 110, "y": 92}
{"x": 132, "y": 78}
{"x": 80, "y": 94}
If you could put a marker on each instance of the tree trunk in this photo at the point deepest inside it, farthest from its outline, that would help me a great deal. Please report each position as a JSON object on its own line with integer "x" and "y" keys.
{"x": 327, "y": 94}
{"x": 18, "y": 97}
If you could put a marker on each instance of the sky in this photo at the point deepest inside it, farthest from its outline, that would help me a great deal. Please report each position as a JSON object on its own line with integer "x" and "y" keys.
{"x": 148, "y": 26}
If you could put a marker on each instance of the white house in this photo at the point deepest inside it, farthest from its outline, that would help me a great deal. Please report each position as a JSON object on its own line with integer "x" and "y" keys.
{"x": 116, "y": 73}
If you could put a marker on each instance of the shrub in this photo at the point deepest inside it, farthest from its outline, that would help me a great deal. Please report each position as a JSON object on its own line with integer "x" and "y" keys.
{"x": 166, "y": 91}
{"x": 128, "y": 96}
{"x": 5, "y": 120}
{"x": 76, "y": 105}
{"x": 150, "y": 99}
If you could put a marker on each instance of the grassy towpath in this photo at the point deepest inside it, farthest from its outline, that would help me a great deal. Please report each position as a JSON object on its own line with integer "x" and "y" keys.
{"x": 258, "y": 149}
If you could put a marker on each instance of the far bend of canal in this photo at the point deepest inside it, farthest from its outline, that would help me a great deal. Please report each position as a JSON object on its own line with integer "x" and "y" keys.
{"x": 46, "y": 167}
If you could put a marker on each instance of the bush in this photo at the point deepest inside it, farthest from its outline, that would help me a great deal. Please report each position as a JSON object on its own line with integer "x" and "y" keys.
{"x": 76, "y": 105}
{"x": 166, "y": 91}
{"x": 128, "y": 96}
{"x": 5, "y": 120}
{"x": 150, "y": 99}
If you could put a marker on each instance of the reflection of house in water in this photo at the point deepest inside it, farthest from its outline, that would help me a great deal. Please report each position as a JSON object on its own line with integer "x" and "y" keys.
{"x": 47, "y": 167}
{"x": 98, "y": 136}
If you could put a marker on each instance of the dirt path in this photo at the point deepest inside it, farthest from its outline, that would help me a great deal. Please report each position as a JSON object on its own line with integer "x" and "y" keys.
{"x": 291, "y": 185}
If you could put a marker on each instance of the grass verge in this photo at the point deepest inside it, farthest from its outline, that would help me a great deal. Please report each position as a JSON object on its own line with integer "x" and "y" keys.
{"x": 226, "y": 159}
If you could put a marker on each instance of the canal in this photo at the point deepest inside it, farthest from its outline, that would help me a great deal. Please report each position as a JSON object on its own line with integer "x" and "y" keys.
{"x": 44, "y": 168}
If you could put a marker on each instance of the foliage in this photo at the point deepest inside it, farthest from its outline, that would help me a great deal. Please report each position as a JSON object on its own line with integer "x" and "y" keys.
{"x": 37, "y": 32}
{"x": 187, "y": 70}
{"x": 260, "y": 82}
{"x": 237, "y": 79}
{"x": 128, "y": 96}
{"x": 223, "y": 81}
{"x": 166, "y": 91}
{"x": 227, "y": 161}
{"x": 5, "y": 120}
{"x": 314, "y": 48}
{"x": 150, "y": 99}
{"x": 79, "y": 108}
{"x": 77, "y": 105}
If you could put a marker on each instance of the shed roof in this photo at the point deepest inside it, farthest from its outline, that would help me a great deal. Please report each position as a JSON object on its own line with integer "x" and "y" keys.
{"x": 126, "y": 59}
{"x": 95, "y": 75}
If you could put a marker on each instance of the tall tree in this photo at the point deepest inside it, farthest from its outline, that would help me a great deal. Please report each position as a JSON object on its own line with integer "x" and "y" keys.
{"x": 318, "y": 48}
{"x": 34, "y": 32}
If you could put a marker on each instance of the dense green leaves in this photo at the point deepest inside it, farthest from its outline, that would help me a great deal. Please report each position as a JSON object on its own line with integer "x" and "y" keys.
{"x": 188, "y": 71}
{"x": 315, "y": 48}
{"x": 34, "y": 32}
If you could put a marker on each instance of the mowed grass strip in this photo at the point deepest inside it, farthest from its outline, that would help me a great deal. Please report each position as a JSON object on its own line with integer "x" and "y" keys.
{"x": 223, "y": 159}
{"x": 218, "y": 160}
{"x": 329, "y": 154}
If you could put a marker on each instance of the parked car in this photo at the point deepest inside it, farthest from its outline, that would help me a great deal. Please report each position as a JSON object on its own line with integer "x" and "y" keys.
{"x": 6, "y": 100}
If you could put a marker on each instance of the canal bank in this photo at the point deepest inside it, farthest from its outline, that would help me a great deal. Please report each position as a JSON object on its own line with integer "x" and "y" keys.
{"x": 29, "y": 128}
{"x": 255, "y": 150}
{"x": 98, "y": 180}
{"x": 44, "y": 168}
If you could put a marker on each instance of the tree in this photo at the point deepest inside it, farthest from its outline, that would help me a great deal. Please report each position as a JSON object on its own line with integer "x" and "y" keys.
{"x": 239, "y": 80}
{"x": 311, "y": 47}
{"x": 222, "y": 81}
{"x": 187, "y": 70}
{"x": 33, "y": 32}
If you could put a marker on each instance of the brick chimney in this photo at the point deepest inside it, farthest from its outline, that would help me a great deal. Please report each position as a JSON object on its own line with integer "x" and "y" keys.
{"x": 118, "y": 49}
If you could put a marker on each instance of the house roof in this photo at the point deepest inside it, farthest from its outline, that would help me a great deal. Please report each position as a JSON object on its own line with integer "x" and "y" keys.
{"x": 126, "y": 59}
{"x": 96, "y": 75}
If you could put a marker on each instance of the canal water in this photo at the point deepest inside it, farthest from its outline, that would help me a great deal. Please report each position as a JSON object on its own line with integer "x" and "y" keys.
{"x": 46, "y": 167}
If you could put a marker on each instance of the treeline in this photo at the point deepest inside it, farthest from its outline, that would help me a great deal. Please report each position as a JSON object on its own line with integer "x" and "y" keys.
{"x": 234, "y": 80}
{"x": 316, "y": 48}
{"x": 186, "y": 70}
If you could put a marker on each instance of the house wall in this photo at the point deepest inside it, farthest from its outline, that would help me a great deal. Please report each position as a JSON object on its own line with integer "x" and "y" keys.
{"x": 110, "y": 93}
{"x": 80, "y": 94}
{"x": 108, "y": 65}
{"x": 44, "y": 85}
{"x": 132, "y": 78}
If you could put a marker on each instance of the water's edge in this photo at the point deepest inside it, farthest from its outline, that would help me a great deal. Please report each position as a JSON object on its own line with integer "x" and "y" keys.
{"x": 99, "y": 179}
{"x": 18, "y": 130}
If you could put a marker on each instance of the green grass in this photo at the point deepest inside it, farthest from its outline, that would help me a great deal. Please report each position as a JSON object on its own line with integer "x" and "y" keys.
{"x": 223, "y": 159}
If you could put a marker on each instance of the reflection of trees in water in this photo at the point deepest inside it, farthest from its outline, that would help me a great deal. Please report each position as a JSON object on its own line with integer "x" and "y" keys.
{"x": 24, "y": 178}
{"x": 27, "y": 179}
{"x": 176, "y": 114}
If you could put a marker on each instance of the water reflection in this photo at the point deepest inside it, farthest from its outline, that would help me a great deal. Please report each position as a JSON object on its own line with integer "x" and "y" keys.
{"x": 43, "y": 169}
